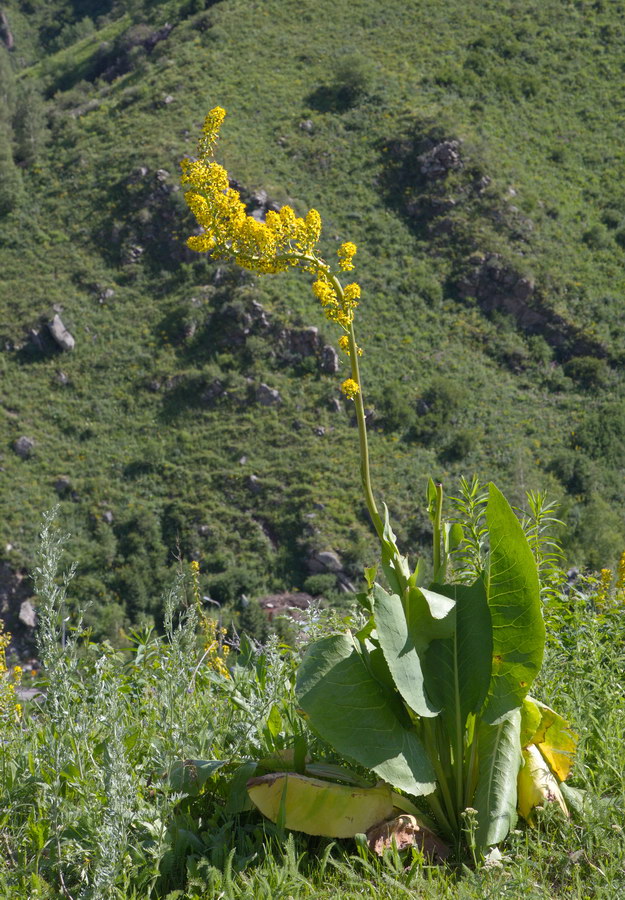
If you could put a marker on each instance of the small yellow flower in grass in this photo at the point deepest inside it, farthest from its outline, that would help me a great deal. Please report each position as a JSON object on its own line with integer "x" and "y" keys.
{"x": 346, "y": 253}
{"x": 350, "y": 388}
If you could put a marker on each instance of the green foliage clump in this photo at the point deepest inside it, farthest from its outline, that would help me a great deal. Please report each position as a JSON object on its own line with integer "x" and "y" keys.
{"x": 588, "y": 371}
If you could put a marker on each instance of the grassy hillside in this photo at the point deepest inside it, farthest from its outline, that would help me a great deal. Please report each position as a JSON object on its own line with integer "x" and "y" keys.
{"x": 473, "y": 152}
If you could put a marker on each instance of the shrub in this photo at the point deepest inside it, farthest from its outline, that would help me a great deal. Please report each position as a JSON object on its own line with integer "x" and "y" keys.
{"x": 597, "y": 237}
{"x": 397, "y": 408}
{"x": 588, "y": 371}
{"x": 602, "y": 434}
{"x": 574, "y": 471}
{"x": 353, "y": 78}
{"x": 319, "y": 585}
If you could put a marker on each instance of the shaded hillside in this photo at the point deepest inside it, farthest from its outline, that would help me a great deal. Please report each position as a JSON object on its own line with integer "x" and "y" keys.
{"x": 474, "y": 154}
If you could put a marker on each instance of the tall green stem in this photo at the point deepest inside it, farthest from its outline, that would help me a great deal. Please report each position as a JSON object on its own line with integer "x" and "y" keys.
{"x": 365, "y": 470}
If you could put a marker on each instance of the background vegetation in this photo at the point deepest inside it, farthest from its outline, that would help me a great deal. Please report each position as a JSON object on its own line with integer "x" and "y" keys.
{"x": 107, "y": 789}
{"x": 474, "y": 153}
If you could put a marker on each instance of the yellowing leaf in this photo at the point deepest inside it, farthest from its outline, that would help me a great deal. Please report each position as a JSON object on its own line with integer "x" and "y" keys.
{"x": 320, "y": 807}
{"x": 536, "y": 784}
{"x": 555, "y": 739}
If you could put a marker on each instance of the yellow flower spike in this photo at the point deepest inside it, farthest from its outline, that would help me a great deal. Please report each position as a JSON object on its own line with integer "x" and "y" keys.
{"x": 350, "y": 388}
{"x": 344, "y": 343}
{"x": 210, "y": 131}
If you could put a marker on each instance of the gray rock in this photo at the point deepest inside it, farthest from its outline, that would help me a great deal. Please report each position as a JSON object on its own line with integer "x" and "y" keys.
{"x": 108, "y": 517}
{"x": 213, "y": 391}
{"x": 329, "y": 360}
{"x": 324, "y": 561}
{"x": 253, "y": 484}
{"x": 304, "y": 341}
{"x": 259, "y": 315}
{"x": 267, "y": 396}
{"x": 320, "y": 431}
{"x": 335, "y": 405}
{"x": 62, "y": 485}
{"x": 441, "y": 159}
{"x": 60, "y": 333}
{"x": 24, "y": 447}
{"x": 307, "y": 126}
{"x": 27, "y": 614}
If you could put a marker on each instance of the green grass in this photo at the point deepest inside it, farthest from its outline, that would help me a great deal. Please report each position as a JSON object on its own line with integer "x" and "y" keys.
{"x": 92, "y": 806}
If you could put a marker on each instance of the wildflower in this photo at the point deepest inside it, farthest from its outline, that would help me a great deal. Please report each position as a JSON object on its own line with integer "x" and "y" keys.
{"x": 350, "y": 388}
{"x": 9, "y": 708}
{"x": 346, "y": 253}
{"x": 344, "y": 345}
{"x": 283, "y": 240}
{"x": 351, "y": 296}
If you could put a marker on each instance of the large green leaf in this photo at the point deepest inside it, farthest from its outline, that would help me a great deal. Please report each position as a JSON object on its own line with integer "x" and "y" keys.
{"x": 457, "y": 670}
{"x": 351, "y": 710}
{"x": 405, "y": 634}
{"x": 514, "y": 603}
{"x": 500, "y": 758}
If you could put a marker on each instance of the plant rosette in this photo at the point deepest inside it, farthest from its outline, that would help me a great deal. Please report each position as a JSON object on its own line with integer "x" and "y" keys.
{"x": 431, "y": 696}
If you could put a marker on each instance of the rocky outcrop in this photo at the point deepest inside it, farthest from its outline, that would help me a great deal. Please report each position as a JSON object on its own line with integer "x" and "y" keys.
{"x": 498, "y": 286}
{"x": 16, "y": 609}
{"x": 6, "y": 35}
{"x": 441, "y": 159}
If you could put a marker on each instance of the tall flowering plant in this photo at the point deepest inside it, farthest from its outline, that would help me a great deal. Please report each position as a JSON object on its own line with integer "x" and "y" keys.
{"x": 432, "y": 695}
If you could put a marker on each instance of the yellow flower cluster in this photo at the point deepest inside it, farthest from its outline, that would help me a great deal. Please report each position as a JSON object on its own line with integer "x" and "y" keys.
{"x": 274, "y": 245}
{"x": 339, "y": 305}
{"x": 283, "y": 240}
{"x": 346, "y": 253}
{"x": 10, "y": 709}
{"x": 350, "y": 388}
{"x": 215, "y": 651}
{"x": 344, "y": 345}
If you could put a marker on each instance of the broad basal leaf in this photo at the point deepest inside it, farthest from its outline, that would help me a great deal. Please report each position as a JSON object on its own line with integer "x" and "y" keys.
{"x": 514, "y": 603}
{"x": 458, "y": 669}
{"x": 351, "y": 710}
{"x": 320, "y": 807}
{"x": 495, "y": 799}
{"x": 405, "y": 633}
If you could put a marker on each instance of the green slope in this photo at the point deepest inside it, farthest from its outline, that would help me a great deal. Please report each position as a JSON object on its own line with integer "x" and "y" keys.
{"x": 331, "y": 105}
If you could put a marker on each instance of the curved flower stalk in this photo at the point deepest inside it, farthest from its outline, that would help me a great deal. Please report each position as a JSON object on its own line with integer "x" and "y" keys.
{"x": 432, "y": 694}
{"x": 281, "y": 242}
